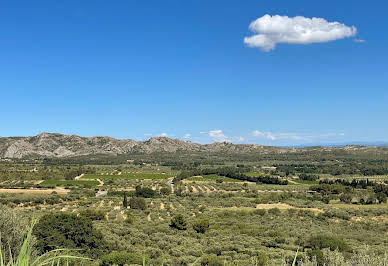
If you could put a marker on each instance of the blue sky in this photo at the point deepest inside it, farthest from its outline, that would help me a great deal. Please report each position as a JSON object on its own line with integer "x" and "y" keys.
{"x": 135, "y": 69}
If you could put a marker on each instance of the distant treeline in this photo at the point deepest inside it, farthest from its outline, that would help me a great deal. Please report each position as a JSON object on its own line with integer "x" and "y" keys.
{"x": 359, "y": 184}
{"x": 366, "y": 168}
{"x": 231, "y": 172}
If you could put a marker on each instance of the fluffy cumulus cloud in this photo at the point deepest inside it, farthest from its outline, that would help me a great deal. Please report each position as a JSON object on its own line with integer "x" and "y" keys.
{"x": 187, "y": 136}
{"x": 266, "y": 135}
{"x": 270, "y": 30}
{"x": 218, "y": 135}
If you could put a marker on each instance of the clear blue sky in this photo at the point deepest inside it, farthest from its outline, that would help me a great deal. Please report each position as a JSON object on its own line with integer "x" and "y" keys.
{"x": 135, "y": 69}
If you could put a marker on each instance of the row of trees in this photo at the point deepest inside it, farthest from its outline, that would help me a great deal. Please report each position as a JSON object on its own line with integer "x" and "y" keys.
{"x": 231, "y": 172}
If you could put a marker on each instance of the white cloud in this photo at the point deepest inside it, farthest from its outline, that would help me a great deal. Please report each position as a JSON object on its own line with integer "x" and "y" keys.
{"x": 294, "y": 136}
{"x": 359, "y": 40}
{"x": 187, "y": 136}
{"x": 218, "y": 135}
{"x": 271, "y": 30}
{"x": 267, "y": 135}
{"x": 164, "y": 135}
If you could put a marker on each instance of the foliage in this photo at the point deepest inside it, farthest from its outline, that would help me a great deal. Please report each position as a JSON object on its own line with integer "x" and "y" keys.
{"x": 121, "y": 258}
{"x": 12, "y": 228}
{"x": 144, "y": 192}
{"x": 201, "y": 225}
{"x": 137, "y": 203}
{"x": 211, "y": 260}
{"x": 324, "y": 241}
{"x": 62, "y": 230}
{"x": 179, "y": 222}
{"x": 92, "y": 214}
{"x": 125, "y": 200}
{"x": 26, "y": 257}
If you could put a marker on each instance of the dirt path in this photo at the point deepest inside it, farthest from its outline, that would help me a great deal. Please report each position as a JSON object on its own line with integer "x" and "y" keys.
{"x": 79, "y": 177}
{"x": 195, "y": 190}
{"x": 60, "y": 191}
{"x": 101, "y": 182}
{"x": 149, "y": 217}
{"x": 162, "y": 206}
{"x": 280, "y": 206}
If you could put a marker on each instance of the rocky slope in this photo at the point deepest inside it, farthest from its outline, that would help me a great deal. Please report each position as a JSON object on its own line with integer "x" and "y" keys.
{"x": 58, "y": 145}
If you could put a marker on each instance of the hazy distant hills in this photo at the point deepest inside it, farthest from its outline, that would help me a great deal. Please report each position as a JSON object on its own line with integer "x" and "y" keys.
{"x": 59, "y": 145}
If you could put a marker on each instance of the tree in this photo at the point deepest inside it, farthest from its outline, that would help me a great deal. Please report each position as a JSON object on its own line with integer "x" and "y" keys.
{"x": 137, "y": 203}
{"x": 125, "y": 201}
{"x": 381, "y": 197}
{"x": 179, "y": 222}
{"x": 144, "y": 192}
{"x": 201, "y": 225}
{"x": 63, "y": 230}
{"x": 165, "y": 191}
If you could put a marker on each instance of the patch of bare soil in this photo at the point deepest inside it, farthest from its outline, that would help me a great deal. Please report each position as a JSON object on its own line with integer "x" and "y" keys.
{"x": 60, "y": 191}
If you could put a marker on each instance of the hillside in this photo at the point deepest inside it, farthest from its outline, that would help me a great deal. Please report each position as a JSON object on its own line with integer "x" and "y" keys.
{"x": 59, "y": 145}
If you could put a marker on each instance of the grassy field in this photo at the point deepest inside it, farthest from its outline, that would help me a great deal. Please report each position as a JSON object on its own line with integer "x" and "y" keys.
{"x": 129, "y": 176}
{"x": 308, "y": 182}
{"x": 66, "y": 183}
{"x": 212, "y": 178}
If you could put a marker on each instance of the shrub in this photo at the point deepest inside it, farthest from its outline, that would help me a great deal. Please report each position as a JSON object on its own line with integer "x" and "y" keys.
{"x": 323, "y": 241}
{"x": 201, "y": 225}
{"x": 12, "y": 228}
{"x": 62, "y": 230}
{"x": 137, "y": 203}
{"x": 261, "y": 259}
{"x": 274, "y": 211}
{"x": 211, "y": 260}
{"x": 381, "y": 197}
{"x": 179, "y": 222}
{"x": 94, "y": 215}
{"x": 121, "y": 258}
{"x": 144, "y": 192}
{"x": 165, "y": 191}
{"x": 346, "y": 197}
{"x": 130, "y": 218}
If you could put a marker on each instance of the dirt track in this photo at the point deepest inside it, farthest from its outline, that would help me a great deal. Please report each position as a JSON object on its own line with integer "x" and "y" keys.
{"x": 34, "y": 191}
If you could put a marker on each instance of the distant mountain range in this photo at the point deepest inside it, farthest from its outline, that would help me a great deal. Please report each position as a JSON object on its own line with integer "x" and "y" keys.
{"x": 59, "y": 145}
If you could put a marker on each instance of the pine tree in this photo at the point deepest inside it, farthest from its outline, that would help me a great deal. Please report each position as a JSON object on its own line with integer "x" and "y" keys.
{"x": 125, "y": 201}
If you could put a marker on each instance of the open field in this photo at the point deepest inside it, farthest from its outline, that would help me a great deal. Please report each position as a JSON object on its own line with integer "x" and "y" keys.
{"x": 128, "y": 176}
{"x": 68, "y": 183}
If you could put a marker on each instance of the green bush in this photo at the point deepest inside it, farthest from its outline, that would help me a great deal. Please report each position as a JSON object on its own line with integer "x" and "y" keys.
{"x": 137, "y": 203}
{"x": 62, "y": 230}
{"x": 121, "y": 258}
{"x": 211, "y": 260}
{"x": 323, "y": 241}
{"x": 179, "y": 222}
{"x": 94, "y": 215}
{"x": 201, "y": 225}
{"x": 144, "y": 192}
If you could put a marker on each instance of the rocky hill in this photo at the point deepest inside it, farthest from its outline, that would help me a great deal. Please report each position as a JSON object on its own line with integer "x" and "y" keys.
{"x": 59, "y": 145}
